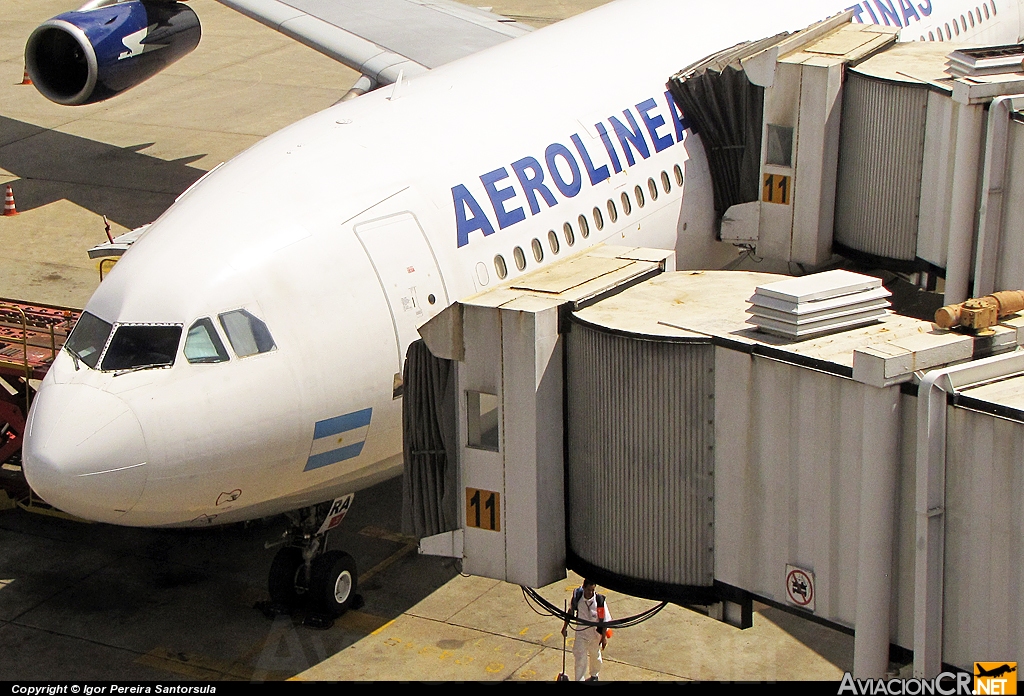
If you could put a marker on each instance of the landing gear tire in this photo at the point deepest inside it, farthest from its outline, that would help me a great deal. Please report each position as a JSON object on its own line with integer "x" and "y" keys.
{"x": 284, "y": 576}
{"x": 334, "y": 583}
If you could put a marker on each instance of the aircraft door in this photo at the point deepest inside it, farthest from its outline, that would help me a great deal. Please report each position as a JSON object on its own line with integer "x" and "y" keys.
{"x": 408, "y": 274}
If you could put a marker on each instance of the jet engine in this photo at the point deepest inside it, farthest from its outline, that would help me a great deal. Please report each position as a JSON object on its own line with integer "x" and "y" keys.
{"x": 96, "y": 52}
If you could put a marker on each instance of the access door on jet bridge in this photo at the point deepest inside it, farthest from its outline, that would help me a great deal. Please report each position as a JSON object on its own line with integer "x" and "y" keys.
{"x": 407, "y": 271}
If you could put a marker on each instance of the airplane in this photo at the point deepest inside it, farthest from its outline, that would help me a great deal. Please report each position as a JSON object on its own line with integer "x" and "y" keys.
{"x": 241, "y": 361}
{"x": 995, "y": 671}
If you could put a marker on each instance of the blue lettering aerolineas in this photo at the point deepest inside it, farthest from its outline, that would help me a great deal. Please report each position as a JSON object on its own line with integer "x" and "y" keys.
{"x": 477, "y": 220}
{"x": 562, "y": 167}
{"x": 596, "y": 175}
{"x": 532, "y": 185}
{"x": 867, "y": 6}
{"x": 499, "y": 196}
{"x": 888, "y": 11}
{"x": 890, "y": 15}
{"x": 653, "y": 124}
{"x": 606, "y": 139}
{"x": 907, "y": 8}
{"x": 678, "y": 120}
{"x": 630, "y": 138}
{"x": 571, "y": 188}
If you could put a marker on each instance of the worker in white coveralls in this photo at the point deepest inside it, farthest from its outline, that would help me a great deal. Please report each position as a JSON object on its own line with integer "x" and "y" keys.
{"x": 588, "y": 605}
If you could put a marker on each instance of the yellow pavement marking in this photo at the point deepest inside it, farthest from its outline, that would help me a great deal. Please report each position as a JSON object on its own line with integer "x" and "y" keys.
{"x": 352, "y": 620}
{"x": 197, "y": 666}
{"x": 360, "y": 622}
{"x": 202, "y": 668}
{"x": 378, "y": 533}
{"x": 383, "y": 565}
{"x": 382, "y": 627}
{"x": 386, "y": 534}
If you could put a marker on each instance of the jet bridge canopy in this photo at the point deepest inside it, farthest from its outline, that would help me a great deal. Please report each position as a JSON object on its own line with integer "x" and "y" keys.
{"x": 749, "y": 103}
{"x": 726, "y": 110}
{"x": 647, "y": 435}
{"x": 836, "y": 139}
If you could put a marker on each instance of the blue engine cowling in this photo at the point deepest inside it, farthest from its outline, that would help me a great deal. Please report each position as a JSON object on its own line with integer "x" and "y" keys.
{"x": 90, "y": 55}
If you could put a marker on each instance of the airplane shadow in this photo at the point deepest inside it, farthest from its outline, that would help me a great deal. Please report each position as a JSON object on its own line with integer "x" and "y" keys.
{"x": 833, "y": 645}
{"x": 129, "y": 187}
{"x": 149, "y": 603}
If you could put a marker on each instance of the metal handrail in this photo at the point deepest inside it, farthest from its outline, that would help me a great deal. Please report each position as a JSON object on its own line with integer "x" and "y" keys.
{"x": 112, "y": 259}
{"x": 13, "y": 315}
{"x": 24, "y": 352}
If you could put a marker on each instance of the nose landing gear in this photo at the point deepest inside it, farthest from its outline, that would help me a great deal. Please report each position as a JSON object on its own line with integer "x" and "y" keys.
{"x": 334, "y": 581}
{"x": 305, "y": 574}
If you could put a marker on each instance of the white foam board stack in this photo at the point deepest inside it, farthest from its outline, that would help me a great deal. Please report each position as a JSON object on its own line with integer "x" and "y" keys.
{"x": 818, "y": 304}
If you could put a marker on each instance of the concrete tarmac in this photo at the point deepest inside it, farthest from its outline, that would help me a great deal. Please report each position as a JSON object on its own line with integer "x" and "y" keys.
{"x": 479, "y": 629}
{"x": 89, "y": 601}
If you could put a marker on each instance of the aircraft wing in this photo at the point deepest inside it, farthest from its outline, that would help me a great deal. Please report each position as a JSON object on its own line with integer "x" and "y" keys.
{"x": 380, "y": 38}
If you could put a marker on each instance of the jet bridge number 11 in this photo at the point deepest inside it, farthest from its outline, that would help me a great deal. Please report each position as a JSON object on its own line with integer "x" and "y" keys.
{"x": 776, "y": 189}
{"x": 483, "y": 509}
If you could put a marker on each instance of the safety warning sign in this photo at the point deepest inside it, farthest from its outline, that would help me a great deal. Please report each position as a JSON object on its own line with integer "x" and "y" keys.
{"x": 800, "y": 587}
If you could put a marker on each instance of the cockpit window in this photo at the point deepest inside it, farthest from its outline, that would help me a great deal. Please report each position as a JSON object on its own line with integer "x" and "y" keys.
{"x": 203, "y": 345}
{"x": 87, "y": 340}
{"x": 247, "y": 334}
{"x": 134, "y": 347}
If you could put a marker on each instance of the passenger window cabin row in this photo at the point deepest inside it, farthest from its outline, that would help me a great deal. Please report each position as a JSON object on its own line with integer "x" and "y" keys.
{"x": 638, "y": 199}
{"x": 970, "y": 18}
{"x": 101, "y": 345}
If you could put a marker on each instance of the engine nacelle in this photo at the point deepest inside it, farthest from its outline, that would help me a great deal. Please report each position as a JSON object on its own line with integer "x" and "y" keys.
{"x": 90, "y": 55}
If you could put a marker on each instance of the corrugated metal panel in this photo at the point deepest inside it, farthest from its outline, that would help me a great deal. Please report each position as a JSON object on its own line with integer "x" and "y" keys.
{"x": 983, "y": 611}
{"x": 1010, "y": 272}
{"x": 904, "y": 564}
{"x": 881, "y": 151}
{"x": 937, "y": 179}
{"x": 640, "y": 456}
{"x": 790, "y": 445}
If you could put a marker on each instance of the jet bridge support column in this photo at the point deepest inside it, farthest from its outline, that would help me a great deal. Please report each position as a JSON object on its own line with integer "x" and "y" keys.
{"x": 880, "y": 438}
{"x": 930, "y": 497}
{"x": 508, "y": 356}
{"x": 509, "y": 414}
{"x": 994, "y": 194}
{"x": 964, "y": 195}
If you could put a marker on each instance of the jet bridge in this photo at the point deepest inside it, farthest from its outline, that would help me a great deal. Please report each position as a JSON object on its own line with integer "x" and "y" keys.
{"x": 838, "y": 140}
{"x": 638, "y": 426}
{"x": 606, "y": 414}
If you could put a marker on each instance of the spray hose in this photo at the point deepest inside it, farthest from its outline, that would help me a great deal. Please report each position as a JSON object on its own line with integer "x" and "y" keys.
{"x": 533, "y": 599}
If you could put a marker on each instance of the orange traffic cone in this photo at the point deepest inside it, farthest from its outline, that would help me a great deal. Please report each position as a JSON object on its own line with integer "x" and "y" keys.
{"x": 26, "y": 80}
{"x": 9, "y": 208}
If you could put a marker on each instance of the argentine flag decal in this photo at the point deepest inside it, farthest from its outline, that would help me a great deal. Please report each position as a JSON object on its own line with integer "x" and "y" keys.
{"x": 339, "y": 438}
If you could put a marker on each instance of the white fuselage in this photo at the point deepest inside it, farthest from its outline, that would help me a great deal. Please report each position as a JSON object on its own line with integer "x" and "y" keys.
{"x": 347, "y": 230}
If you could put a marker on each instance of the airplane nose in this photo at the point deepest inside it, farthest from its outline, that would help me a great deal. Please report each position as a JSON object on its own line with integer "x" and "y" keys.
{"x": 85, "y": 452}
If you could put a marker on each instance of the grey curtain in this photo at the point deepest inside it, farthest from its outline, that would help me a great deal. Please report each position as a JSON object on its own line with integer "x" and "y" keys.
{"x": 726, "y": 110}
{"x": 429, "y": 409}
